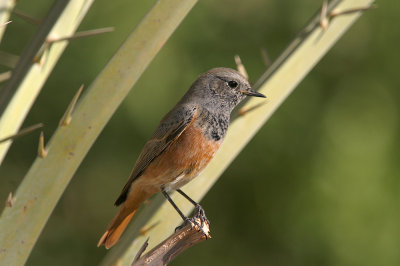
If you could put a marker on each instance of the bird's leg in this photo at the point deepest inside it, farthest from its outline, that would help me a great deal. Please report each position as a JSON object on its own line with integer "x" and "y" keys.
{"x": 174, "y": 205}
{"x": 184, "y": 218}
{"x": 200, "y": 213}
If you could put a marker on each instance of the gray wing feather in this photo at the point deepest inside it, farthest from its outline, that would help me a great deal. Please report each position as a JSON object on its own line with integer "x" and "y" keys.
{"x": 169, "y": 129}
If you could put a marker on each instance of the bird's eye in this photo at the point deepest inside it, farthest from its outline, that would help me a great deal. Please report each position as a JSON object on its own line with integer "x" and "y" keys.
{"x": 233, "y": 84}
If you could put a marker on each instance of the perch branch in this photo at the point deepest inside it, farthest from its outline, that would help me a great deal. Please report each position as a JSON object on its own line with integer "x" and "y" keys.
{"x": 174, "y": 245}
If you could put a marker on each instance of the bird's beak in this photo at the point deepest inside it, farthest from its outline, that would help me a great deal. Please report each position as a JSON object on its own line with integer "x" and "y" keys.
{"x": 251, "y": 92}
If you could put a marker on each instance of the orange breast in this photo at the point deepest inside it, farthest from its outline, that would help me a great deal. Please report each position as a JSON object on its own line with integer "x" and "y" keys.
{"x": 192, "y": 151}
{"x": 183, "y": 160}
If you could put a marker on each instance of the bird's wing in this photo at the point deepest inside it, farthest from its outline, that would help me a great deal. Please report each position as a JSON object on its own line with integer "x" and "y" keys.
{"x": 169, "y": 129}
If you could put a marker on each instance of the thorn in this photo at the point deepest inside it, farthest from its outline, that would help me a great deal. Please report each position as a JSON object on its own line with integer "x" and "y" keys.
{"x": 240, "y": 66}
{"x": 141, "y": 250}
{"x": 323, "y": 20}
{"x": 144, "y": 230}
{"x": 42, "y": 152}
{"x": 41, "y": 56}
{"x": 22, "y": 132}
{"x": 5, "y": 23}
{"x": 267, "y": 60}
{"x": 335, "y": 12}
{"x": 243, "y": 111}
{"x": 66, "y": 119}
{"x": 5, "y": 76}
{"x": 27, "y": 18}
{"x": 10, "y": 200}
{"x": 81, "y": 34}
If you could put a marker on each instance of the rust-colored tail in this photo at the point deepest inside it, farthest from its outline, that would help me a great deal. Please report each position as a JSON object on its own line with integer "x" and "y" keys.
{"x": 115, "y": 229}
{"x": 121, "y": 220}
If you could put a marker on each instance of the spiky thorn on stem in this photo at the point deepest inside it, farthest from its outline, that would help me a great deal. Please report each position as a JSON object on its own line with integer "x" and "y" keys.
{"x": 10, "y": 200}
{"x": 240, "y": 67}
{"x": 335, "y": 12}
{"x": 42, "y": 152}
{"x": 27, "y": 18}
{"x": 81, "y": 34}
{"x": 22, "y": 132}
{"x": 325, "y": 18}
{"x": 266, "y": 59}
{"x": 5, "y": 23}
{"x": 140, "y": 251}
{"x": 39, "y": 58}
{"x": 66, "y": 119}
{"x": 242, "y": 70}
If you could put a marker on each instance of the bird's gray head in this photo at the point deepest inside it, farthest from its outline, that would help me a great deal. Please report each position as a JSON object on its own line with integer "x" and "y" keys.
{"x": 220, "y": 88}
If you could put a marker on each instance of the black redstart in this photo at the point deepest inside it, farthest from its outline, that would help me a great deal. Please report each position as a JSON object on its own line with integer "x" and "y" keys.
{"x": 183, "y": 144}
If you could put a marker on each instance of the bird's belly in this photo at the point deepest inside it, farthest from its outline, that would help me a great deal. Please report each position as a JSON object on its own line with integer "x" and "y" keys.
{"x": 183, "y": 160}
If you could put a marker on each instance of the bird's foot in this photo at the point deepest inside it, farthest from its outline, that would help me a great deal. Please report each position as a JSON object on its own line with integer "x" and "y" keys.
{"x": 201, "y": 215}
{"x": 187, "y": 221}
{"x": 199, "y": 219}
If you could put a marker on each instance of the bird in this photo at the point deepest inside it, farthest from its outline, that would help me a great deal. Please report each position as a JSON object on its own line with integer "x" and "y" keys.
{"x": 184, "y": 142}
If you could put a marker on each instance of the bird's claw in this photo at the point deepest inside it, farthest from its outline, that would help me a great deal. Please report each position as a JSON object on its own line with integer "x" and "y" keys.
{"x": 201, "y": 215}
{"x": 199, "y": 219}
{"x": 190, "y": 221}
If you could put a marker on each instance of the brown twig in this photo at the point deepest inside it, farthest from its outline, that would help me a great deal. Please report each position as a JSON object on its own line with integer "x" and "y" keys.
{"x": 174, "y": 245}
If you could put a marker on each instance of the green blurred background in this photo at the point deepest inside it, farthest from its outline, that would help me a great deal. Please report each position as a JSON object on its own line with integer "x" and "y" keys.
{"x": 318, "y": 185}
